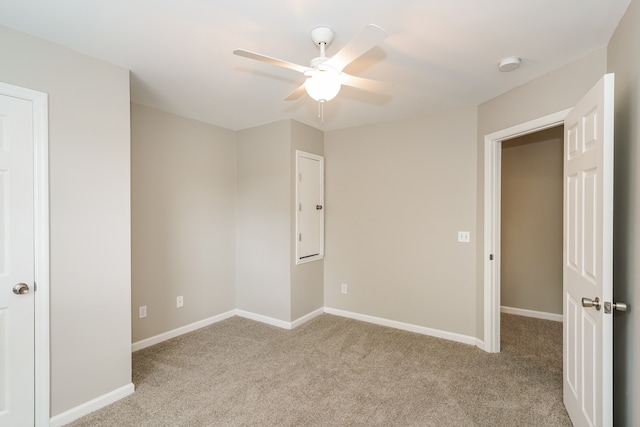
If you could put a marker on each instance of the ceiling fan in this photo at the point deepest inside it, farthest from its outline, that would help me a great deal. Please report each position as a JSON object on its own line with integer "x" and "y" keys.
{"x": 325, "y": 75}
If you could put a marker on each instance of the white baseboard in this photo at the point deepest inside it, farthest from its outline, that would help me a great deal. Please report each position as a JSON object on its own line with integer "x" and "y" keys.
{"x": 147, "y": 342}
{"x": 451, "y": 336}
{"x": 299, "y": 321}
{"x": 90, "y": 406}
{"x": 139, "y": 345}
{"x": 277, "y": 322}
{"x": 531, "y": 313}
{"x": 264, "y": 319}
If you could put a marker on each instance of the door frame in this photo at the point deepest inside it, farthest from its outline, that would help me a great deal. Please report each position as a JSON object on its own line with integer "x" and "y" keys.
{"x": 39, "y": 102}
{"x": 492, "y": 220}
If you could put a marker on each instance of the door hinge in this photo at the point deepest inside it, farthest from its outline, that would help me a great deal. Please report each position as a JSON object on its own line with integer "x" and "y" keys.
{"x": 490, "y": 257}
{"x": 300, "y": 237}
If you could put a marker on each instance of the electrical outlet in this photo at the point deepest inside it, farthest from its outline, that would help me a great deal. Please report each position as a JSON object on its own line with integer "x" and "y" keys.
{"x": 464, "y": 236}
{"x": 142, "y": 311}
{"x": 344, "y": 288}
{"x": 179, "y": 301}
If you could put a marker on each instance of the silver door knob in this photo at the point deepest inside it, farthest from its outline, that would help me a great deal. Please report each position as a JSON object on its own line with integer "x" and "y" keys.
{"x": 21, "y": 289}
{"x": 588, "y": 303}
{"x": 620, "y": 306}
{"x": 610, "y": 306}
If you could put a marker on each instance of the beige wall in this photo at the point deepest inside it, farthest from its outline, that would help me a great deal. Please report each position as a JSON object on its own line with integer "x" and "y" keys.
{"x": 263, "y": 214}
{"x": 531, "y": 218}
{"x": 89, "y": 214}
{"x": 183, "y": 220}
{"x": 396, "y": 196}
{"x": 268, "y": 281}
{"x": 307, "y": 280}
{"x": 549, "y": 94}
{"x": 624, "y": 61}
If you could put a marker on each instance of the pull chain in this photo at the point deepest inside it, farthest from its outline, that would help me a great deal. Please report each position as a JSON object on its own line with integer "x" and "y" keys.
{"x": 321, "y": 110}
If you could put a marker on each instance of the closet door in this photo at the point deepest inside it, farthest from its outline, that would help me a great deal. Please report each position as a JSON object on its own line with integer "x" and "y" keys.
{"x": 309, "y": 207}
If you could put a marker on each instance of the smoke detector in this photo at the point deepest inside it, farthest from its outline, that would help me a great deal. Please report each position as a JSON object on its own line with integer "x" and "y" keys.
{"x": 509, "y": 64}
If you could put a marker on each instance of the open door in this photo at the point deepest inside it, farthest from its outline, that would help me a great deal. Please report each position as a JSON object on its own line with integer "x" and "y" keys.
{"x": 588, "y": 258}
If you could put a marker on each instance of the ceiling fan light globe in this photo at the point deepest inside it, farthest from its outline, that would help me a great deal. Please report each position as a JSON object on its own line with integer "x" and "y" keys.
{"x": 323, "y": 85}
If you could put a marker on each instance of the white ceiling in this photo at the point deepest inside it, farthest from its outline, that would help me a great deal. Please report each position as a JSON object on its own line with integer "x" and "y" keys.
{"x": 439, "y": 54}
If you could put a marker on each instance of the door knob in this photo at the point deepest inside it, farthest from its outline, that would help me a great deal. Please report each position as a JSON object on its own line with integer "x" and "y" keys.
{"x": 21, "y": 289}
{"x": 588, "y": 302}
{"x": 610, "y": 306}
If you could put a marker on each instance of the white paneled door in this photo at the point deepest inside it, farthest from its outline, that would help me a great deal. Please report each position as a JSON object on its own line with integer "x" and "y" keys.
{"x": 16, "y": 262}
{"x": 310, "y": 207}
{"x": 588, "y": 257}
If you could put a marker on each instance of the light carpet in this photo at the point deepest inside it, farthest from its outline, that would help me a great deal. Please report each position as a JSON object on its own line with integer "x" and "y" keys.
{"x": 333, "y": 371}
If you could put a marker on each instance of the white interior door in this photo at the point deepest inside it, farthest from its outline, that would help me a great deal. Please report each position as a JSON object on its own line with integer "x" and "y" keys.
{"x": 16, "y": 262}
{"x": 588, "y": 257}
{"x": 310, "y": 207}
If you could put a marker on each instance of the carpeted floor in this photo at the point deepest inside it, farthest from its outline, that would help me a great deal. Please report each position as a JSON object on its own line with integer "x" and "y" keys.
{"x": 334, "y": 371}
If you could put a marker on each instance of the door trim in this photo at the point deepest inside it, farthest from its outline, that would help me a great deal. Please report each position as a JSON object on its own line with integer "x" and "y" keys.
{"x": 492, "y": 221}
{"x": 39, "y": 101}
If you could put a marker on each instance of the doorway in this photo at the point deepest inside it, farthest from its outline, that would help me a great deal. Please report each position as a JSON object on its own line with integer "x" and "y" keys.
{"x": 531, "y": 224}
{"x": 492, "y": 220}
{"x": 531, "y": 247}
{"x": 587, "y": 249}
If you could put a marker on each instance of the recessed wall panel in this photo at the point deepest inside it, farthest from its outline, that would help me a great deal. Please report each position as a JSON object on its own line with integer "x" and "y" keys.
{"x": 572, "y": 222}
{"x": 589, "y": 221}
{"x": 590, "y": 122}
{"x": 4, "y": 374}
{"x": 590, "y": 355}
{"x": 571, "y": 372}
{"x": 572, "y": 142}
{"x": 4, "y": 218}
{"x": 3, "y": 133}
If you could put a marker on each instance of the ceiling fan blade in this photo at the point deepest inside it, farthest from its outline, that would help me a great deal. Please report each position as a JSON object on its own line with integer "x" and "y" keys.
{"x": 270, "y": 60}
{"x": 371, "y": 36}
{"x": 365, "y": 84}
{"x": 296, "y": 93}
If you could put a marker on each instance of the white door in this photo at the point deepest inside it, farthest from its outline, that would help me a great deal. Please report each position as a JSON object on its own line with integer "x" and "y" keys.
{"x": 16, "y": 262}
{"x": 310, "y": 207}
{"x": 588, "y": 257}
